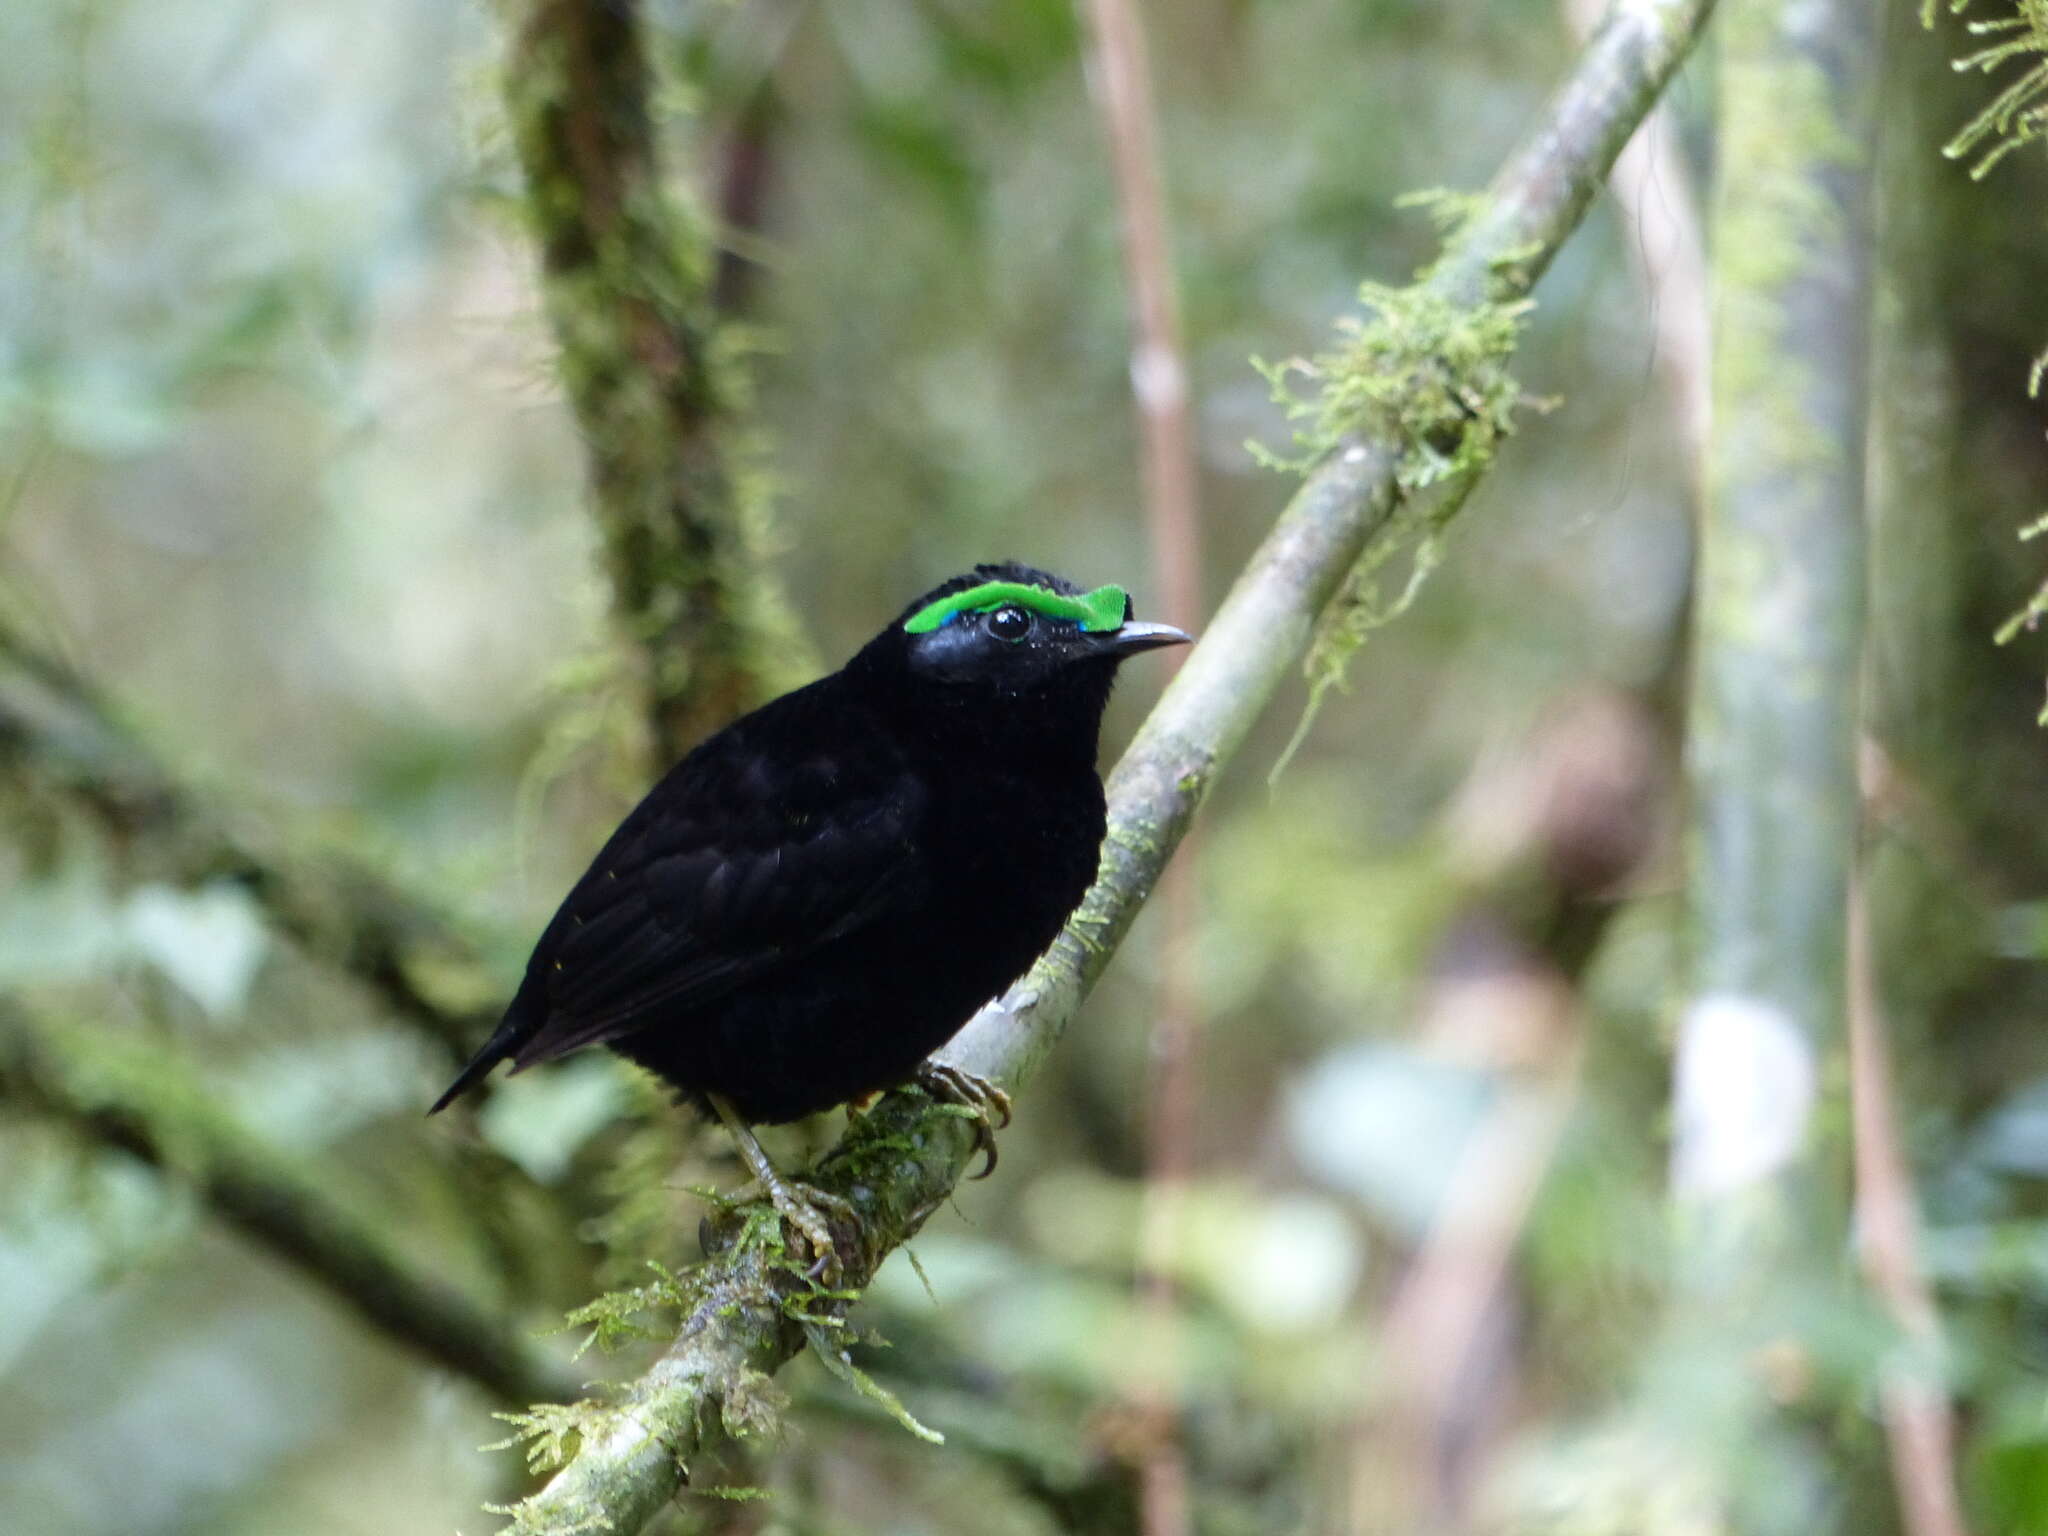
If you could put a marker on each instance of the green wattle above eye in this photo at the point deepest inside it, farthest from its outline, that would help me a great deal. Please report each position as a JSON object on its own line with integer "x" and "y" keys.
{"x": 1098, "y": 611}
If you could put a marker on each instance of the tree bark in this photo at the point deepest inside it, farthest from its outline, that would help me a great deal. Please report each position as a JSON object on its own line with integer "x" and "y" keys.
{"x": 628, "y": 271}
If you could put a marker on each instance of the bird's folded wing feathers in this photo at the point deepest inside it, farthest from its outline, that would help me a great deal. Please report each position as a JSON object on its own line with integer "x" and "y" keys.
{"x": 679, "y": 915}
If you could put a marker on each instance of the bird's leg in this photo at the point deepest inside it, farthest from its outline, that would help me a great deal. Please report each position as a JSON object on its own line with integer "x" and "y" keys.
{"x": 991, "y": 1106}
{"x": 805, "y": 1212}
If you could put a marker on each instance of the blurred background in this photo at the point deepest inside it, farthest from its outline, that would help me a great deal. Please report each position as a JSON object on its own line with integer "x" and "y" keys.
{"x": 296, "y": 549}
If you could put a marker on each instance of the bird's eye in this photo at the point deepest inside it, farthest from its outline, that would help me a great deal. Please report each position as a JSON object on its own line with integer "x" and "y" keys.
{"x": 1009, "y": 623}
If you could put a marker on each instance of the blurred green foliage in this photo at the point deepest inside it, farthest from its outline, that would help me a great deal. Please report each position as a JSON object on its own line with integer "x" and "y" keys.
{"x": 281, "y": 455}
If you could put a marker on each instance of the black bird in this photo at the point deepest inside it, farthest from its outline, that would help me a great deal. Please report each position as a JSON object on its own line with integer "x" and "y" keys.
{"x": 817, "y": 897}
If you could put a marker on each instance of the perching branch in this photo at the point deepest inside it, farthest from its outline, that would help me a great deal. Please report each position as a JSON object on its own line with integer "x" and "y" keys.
{"x": 147, "y": 1103}
{"x": 905, "y": 1156}
{"x": 653, "y": 381}
{"x": 59, "y": 736}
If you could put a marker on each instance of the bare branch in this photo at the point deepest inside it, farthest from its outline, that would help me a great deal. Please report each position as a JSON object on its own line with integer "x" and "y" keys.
{"x": 1120, "y": 75}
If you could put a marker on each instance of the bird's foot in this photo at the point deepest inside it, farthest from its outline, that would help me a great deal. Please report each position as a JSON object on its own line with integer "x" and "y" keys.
{"x": 989, "y": 1105}
{"x": 809, "y": 1211}
{"x": 803, "y": 1207}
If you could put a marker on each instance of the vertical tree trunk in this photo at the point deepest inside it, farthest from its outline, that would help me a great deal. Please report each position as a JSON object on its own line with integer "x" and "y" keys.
{"x": 678, "y": 489}
{"x": 1771, "y": 742}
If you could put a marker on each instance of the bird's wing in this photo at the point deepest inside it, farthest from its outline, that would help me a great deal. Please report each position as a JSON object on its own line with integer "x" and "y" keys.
{"x": 726, "y": 873}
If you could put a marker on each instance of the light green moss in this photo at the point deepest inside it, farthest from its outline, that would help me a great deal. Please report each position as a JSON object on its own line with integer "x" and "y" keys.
{"x": 550, "y": 1434}
{"x": 620, "y": 1316}
{"x": 1428, "y": 373}
{"x": 2036, "y": 609}
{"x": 1418, "y": 369}
{"x": 1766, "y": 228}
{"x": 752, "y": 1280}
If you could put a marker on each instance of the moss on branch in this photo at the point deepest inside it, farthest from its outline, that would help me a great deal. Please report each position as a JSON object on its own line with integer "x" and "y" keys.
{"x": 2018, "y": 114}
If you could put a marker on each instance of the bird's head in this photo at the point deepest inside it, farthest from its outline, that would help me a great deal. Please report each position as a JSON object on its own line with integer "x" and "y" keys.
{"x": 1010, "y": 642}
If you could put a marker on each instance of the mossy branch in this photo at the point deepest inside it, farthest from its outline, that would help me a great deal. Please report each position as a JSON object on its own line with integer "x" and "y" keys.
{"x": 654, "y": 380}
{"x": 905, "y": 1156}
{"x": 148, "y": 1103}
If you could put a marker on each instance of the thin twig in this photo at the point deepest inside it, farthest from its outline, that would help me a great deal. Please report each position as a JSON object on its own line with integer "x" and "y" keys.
{"x": 1917, "y": 1417}
{"x": 1120, "y": 76}
{"x": 905, "y": 1157}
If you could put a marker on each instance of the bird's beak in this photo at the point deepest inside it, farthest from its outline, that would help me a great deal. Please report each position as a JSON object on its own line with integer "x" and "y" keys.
{"x": 1129, "y": 639}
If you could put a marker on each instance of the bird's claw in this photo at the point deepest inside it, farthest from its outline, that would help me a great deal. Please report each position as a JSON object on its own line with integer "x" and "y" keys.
{"x": 989, "y": 1104}
{"x": 952, "y": 1085}
{"x": 805, "y": 1212}
{"x": 808, "y": 1211}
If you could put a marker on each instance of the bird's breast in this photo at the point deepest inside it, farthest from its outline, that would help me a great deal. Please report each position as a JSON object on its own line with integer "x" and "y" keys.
{"x": 1018, "y": 853}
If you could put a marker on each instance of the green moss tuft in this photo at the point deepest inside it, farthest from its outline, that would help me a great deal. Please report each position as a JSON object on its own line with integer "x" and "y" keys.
{"x": 1426, "y": 373}
{"x": 620, "y": 1316}
{"x": 830, "y": 1349}
{"x": 551, "y": 1433}
{"x": 1417, "y": 369}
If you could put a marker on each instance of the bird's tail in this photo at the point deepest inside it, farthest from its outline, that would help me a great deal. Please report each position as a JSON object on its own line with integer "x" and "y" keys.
{"x": 522, "y": 1019}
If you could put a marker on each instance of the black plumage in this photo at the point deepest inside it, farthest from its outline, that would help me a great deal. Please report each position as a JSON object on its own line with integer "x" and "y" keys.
{"x": 821, "y": 894}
